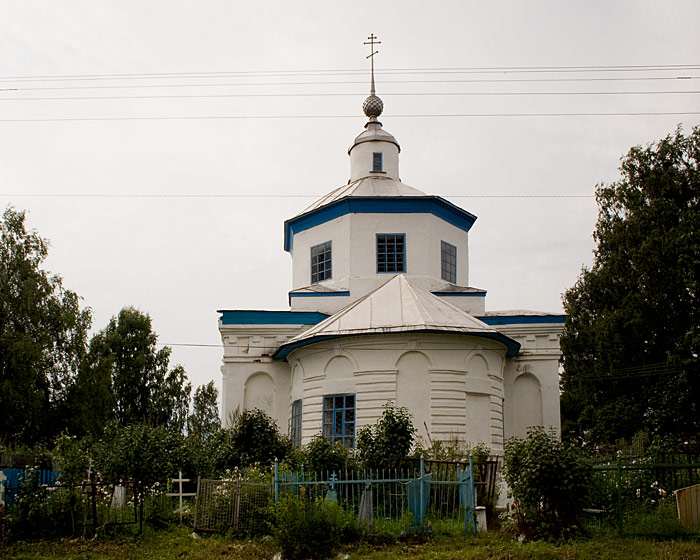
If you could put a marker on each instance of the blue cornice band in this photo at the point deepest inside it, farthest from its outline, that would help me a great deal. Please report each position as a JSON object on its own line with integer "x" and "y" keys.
{"x": 459, "y": 294}
{"x": 249, "y": 317}
{"x": 378, "y": 205}
{"x": 523, "y": 319}
{"x": 318, "y": 294}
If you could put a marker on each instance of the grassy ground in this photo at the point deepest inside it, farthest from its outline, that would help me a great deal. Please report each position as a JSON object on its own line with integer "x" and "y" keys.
{"x": 178, "y": 544}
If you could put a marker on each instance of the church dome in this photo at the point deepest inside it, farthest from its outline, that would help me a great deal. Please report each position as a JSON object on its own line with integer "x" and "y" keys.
{"x": 373, "y": 106}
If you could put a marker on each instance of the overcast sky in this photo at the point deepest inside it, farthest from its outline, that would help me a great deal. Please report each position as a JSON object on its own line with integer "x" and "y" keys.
{"x": 230, "y": 117}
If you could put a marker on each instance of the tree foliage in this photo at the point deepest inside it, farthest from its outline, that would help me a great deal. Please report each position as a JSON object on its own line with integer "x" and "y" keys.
{"x": 203, "y": 422}
{"x": 128, "y": 378}
{"x": 253, "y": 438}
{"x": 632, "y": 336}
{"x": 140, "y": 453}
{"x": 549, "y": 481}
{"x": 386, "y": 444}
{"x": 43, "y": 334}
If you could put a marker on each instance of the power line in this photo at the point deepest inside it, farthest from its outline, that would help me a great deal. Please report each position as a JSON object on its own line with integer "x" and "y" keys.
{"x": 412, "y": 94}
{"x": 292, "y": 117}
{"x": 651, "y": 370}
{"x": 355, "y": 82}
{"x": 286, "y": 195}
{"x": 335, "y": 72}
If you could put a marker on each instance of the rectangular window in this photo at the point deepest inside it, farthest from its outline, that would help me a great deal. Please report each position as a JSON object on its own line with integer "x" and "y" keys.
{"x": 295, "y": 426}
{"x": 377, "y": 162}
{"x": 339, "y": 418}
{"x": 449, "y": 262}
{"x": 321, "y": 268}
{"x": 391, "y": 252}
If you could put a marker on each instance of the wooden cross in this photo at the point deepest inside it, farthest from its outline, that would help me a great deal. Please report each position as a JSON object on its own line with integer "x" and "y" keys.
{"x": 180, "y": 494}
{"x": 3, "y": 478}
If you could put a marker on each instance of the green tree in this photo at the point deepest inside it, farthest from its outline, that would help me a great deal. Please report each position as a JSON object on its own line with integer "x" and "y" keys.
{"x": 386, "y": 444}
{"x": 43, "y": 334}
{"x": 253, "y": 438}
{"x": 203, "y": 422}
{"x": 140, "y": 453}
{"x": 632, "y": 336}
{"x": 131, "y": 378}
{"x": 203, "y": 427}
{"x": 323, "y": 456}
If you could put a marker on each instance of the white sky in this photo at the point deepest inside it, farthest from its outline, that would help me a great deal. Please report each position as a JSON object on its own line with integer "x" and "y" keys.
{"x": 182, "y": 258}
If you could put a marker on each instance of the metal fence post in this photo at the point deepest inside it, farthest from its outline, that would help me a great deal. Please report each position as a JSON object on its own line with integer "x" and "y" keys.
{"x": 277, "y": 480}
{"x": 422, "y": 489}
{"x": 619, "y": 495}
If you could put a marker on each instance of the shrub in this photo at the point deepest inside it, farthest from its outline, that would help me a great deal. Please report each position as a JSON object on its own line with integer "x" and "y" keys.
{"x": 253, "y": 438}
{"x": 310, "y": 529}
{"x": 39, "y": 511}
{"x": 141, "y": 453}
{"x": 323, "y": 457}
{"x": 549, "y": 482}
{"x": 389, "y": 441}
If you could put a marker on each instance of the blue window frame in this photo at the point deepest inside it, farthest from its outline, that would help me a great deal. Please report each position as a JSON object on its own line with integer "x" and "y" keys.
{"x": 391, "y": 252}
{"x": 321, "y": 262}
{"x": 339, "y": 418}
{"x": 377, "y": 162}
{"x": 295, "y": 424}
{"x": 448, "y": 265}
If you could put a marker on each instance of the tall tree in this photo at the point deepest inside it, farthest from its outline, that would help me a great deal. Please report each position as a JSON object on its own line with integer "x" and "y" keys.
{"x": 204, "y": 421}
{"x": 631, "y": 343}
{"x": 124, "y": 358}
{"x": 43, "y": 334}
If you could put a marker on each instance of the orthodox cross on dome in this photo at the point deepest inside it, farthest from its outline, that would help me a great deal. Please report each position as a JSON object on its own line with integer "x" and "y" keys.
{"x": 373, "y": 106}
{"x": 372, "y": 41}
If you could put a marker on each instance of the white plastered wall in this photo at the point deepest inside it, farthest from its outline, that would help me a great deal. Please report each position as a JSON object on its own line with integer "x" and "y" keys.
{"x": 251, "y": 378}
{"x": 354, "y": 259}
{"x": 535, "y": 367}
{"x": 435, "y": 380}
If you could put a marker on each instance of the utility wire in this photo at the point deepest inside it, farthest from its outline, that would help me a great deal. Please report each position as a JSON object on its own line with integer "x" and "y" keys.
{"x": 652, "y": 370}
{"x": 287, "y": 117}
{"x": 354, "y": 82}
{"x": 233, "y": 195}
{"x": 388, "y": 71}
{"x": 412, "y": 94}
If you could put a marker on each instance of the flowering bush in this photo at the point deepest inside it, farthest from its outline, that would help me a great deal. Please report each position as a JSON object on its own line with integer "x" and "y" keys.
{"x": 549, "y": 482}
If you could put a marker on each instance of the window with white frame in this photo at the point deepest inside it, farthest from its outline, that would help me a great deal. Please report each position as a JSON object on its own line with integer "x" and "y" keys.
{"x": 391, "y": 252}
{"x": 321, "y": 265}
{"x": 339, "y": 419}
{"x": 448, "y": 262}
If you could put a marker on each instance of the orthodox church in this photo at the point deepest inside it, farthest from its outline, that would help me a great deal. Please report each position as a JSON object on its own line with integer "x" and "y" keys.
{"x": 381, "y": 311}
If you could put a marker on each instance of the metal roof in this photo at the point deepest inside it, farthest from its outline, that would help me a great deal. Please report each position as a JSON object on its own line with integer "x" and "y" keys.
{"x": 367, "y": 187}
{"x": 395, "y": 307}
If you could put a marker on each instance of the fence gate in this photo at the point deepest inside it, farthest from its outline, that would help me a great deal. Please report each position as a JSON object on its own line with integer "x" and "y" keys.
{"x": 224, "y": 505}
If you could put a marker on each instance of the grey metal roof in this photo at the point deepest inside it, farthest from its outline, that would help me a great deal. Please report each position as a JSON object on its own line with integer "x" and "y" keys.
{"x": 395, "y": 307}
{"x": 367, "y": 187}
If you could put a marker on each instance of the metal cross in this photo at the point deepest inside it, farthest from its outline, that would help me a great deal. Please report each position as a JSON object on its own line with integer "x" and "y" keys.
{"x": 372, "y": 41}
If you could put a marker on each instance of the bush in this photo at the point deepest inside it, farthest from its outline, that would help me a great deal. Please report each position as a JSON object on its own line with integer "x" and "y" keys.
{"x": 310, "y": 529}
{"x": 549, "y": 482}
{"x": 140, "y": 453}
{"x": 253, "y": 438}
{"x": 39, "y": 511}
{"x": 389, "y": 441}
{"x": 324, "y": 457}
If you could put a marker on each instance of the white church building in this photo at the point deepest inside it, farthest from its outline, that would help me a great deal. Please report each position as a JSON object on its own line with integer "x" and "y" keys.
{"x": 381, "y": 310}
